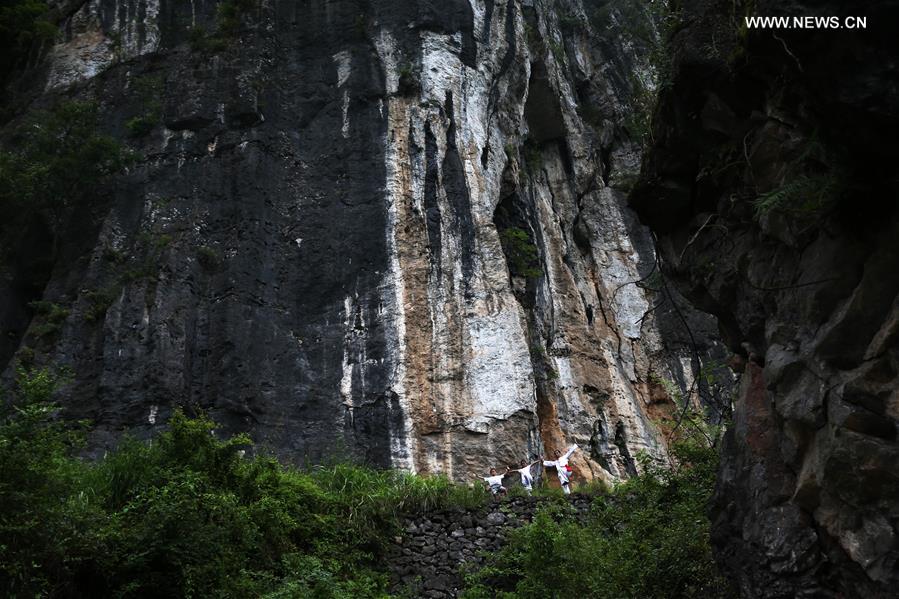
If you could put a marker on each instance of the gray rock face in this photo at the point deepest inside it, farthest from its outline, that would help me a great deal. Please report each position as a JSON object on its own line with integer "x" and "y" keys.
{"x": 322, "y": 241}
{"x": 770, "y": 186}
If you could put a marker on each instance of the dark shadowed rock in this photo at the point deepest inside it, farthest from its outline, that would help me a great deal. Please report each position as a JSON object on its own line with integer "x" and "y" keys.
{"x": 770, "y": 184}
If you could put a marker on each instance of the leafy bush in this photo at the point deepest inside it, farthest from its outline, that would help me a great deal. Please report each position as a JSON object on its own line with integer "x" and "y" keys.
{"x": 142, "y": 125}
{"x": 407, "y": 82}
{"x": 230, "y": 13}
{"x": 41, "y": 515}
{"x": 810, "y": 184}
{"x": 648, "y": 538}
{"x": 521, "y": 253}
{"x": 60, "y": 154}
{"x": 149, "y": 90}
{"x": 229, "y": 19}
{"x": 99, "y": 302}
{"x": 803, "y": 196}
{"x": 533, "y": 157}
{"x": 23, "y": 23}
{"x": 189, "y": 514}
{"x": 638, "y": 122}
{"x": 200, "y": 41}
{"x": 646, "y": 26}
{"x": 51, "y": 315}
{"x": 208, "y": 257}
{"x": 57, "y": 159}
{"x": 193, "y": 515}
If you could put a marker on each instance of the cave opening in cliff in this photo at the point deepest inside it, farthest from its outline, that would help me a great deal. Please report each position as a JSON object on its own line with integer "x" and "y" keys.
{"x": 514, "y": 224}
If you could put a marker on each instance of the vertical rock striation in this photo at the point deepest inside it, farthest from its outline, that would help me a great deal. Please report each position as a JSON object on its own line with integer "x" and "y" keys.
{"x": 398, "y": 228}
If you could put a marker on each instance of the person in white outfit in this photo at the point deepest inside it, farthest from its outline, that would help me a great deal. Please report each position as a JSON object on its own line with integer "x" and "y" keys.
{"x": 495, "y": 482}
{"x": 563, "y": 470}
{"x": 524, "y": 470}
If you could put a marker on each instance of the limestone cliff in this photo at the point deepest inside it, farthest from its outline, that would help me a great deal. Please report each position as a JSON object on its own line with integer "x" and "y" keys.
{"x": 771, "y": 185}
{"x": 396, "y": 228}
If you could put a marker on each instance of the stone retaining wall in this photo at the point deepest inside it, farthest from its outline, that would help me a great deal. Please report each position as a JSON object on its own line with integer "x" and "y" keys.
{"x": 427, "y": 559}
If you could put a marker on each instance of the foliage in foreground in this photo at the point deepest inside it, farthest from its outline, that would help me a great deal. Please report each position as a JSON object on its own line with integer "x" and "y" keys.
{"x": 192, "y": 515}
{"x": 648, "y": 538}
{"x": 188, "y": 514}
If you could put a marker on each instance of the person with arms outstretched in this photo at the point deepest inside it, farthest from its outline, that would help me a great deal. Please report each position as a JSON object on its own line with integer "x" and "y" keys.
{"x": 563, "y": 470}
{"x": 524, "y": 470}
{"x": 495, "y": 483}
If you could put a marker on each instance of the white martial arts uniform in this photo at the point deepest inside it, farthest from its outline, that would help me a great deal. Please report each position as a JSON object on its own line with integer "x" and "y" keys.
{"x": 527, "y": 481}
{"x": 560, "y": 466}
{"x": 494, "y": 482}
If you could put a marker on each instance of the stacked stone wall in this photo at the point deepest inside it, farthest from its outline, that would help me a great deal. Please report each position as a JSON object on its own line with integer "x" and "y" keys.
{"x": 433, "y": 551}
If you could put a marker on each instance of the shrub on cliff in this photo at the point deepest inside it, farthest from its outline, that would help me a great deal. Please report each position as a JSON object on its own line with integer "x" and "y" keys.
{"x": 23, "y": 24}
{"x": 53, "y": 164}
{"x": 648, "y": 538}
{"x": 521, "y": 253}
{"x": 188, "y": 514}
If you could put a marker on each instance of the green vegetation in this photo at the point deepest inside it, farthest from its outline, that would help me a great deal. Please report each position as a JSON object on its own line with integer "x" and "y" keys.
{"x": 229, "y": 19}
{"x": 189, "y": 514}
{"x": 569, "y": 21}
{"x": 558, "y": 51}
{"x": 521, "y": 253}
{"x": 149, "y": 91}
{"x": 407, "y": 83}
{"x": 54, "y": 164}
{"x": 810, "y": 183}
{"x": 118, "y": 49}
{"x": 157, "y": 241}
{"x": 25, "y": 357}
{"x": 230, "y": 13}
{"x": 51, "y": 317}
{"x": 550, "y": 372}
{"x": 144, "y": 263}
{"x": 803, "y": 196}
{"x": 141, "y": 264}
{"x": 639, "y": 120}
{"x": 208, "y": 257}
{"x": 99, "y": 302}
{"x": 647, "y": 538}
{"x": 114, "y": 256}
{"x": 648, "y": 26}
{"x": 23, "y": 24}
{"x": 140, "y": 126}
{"x": 360, "y": 24}
{"x": 533, "y": 157}
{"x": 538, "y": 45}
{"x": 691, "y": 420}
{"x": 201, "y": 41}
{"x": 595, "y": 487}
{"x": 535, "y": 42}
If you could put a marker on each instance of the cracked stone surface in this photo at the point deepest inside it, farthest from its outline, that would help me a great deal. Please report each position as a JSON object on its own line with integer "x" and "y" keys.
{"x": 805, "y": 293}
{"x": 311, "y": 245}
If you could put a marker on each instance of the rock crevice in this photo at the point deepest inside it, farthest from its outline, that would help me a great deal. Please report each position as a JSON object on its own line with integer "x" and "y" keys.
{"x": 313, "y": 246}
{"x": 769, "y": 188}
